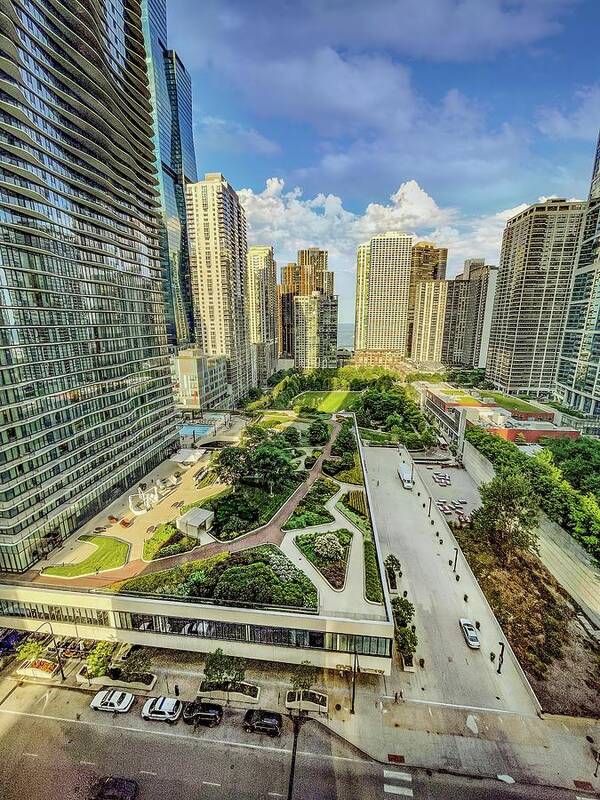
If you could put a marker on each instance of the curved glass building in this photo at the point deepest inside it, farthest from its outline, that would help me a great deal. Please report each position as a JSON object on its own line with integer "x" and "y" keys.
{"x": 85, "y": 393}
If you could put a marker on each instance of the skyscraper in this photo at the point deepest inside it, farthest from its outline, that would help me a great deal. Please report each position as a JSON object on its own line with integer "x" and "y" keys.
{"x": 539, "y": 249}
{"x": 312, "y": 271}
{"x": 171, "y": 92}
{"x": 262, "y": 283}
{"x": 428, "y": 321}
{"x": 315, "y": 325}
{"x": 579, "y": 367}
{"x": 382, "y": 293}
{"x": 428, "y": 263}
{"x": 218, "y": 263}
{"x": 85, "y": 385}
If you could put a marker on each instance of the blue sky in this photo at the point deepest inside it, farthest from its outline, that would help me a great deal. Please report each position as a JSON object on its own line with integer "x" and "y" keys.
{"x": 337, "y": 119}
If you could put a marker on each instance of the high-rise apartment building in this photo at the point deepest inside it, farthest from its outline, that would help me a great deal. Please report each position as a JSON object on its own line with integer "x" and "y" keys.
{"x": 171, "y": 93}
{"x": 579, "y": 367}
{"x": 428, "y": 263}
{"x": 315, "y": 324}
{"x": 85, "y": 386}
{"x": 428, "y": 321}
{"x": 262, "y": 284}
{"x": 218, "y": 262}
{"x": 312, "y": 271}
{"x": 199, "y": 381}
{"x": 382, "y": 292}
{"x": 539, "y": 250}
{"x": 469, "y": 305}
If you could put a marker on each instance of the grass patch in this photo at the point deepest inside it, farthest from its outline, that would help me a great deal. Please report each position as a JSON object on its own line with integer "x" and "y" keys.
{"x": 325, "y": 402}
{"x": 378, "y": 437}
{"x": 311, "y": 510}
{"x": 167, "y": 540}
{"x": 509, "y": 403}
{"x": 333, "y": 568}
{"x": 110, "y": 553}
{"x": 353, "y": 506}
{"x": 207, "y": 480}
{"x": 278, "y": 421}
{"x": 353, "y": 475}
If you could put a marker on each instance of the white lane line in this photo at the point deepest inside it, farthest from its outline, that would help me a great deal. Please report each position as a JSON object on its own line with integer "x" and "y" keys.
{"x": 147, "y": 772}
{"x": 401, "y": 776}
{"x": 197, "y": 739}
{"x": 210, "y": 783}
{"x": 403, "y": 790}
{"x": 31, "y": 755}
{"x": 274, "y": 794}
{"x": 87, "y": 763}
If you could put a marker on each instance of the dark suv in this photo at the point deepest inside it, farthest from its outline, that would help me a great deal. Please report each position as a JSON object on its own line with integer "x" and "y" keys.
{"x": 200, "y": 713}
{"x": 269, "y": 722}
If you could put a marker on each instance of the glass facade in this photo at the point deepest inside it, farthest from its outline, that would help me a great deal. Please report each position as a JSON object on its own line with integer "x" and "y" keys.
{"x": 579, "y": 367}
{"x": 85, "y": 386}
{"x": 171, "y": 92}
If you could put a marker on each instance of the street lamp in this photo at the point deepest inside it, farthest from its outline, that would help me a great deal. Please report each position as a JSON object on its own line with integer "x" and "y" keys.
{"x": 500, "y": 658}
{"x": 60, "y": 666}
{"x": 455, "y": 559}
{"x": 429, "y": 511}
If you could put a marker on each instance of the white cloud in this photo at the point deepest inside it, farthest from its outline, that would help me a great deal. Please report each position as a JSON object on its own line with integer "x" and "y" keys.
{"x": 580, "y": 122}
{"x": 290, "y": 221}
{"x": 222, "y": 135}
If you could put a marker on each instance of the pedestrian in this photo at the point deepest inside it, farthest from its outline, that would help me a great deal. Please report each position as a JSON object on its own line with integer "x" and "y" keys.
{"x": 377, "y": 483}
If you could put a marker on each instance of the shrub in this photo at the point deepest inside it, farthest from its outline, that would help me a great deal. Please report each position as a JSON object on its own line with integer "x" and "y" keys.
{"x": 98, "y": 660}
{"x": 164, "y": 536}
{"x": 327, "y": 546}
{"x": 357, "y": 501}
{"x": 406, "y": 641}
{"x": 373, "y": 588}
{"x": 318, "y": 432}
{"x": 345, "y": 441}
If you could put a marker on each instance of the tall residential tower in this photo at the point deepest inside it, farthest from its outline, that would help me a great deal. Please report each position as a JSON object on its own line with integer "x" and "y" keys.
{"x": 428, "y": 263}
{"x": 262, "y": 283}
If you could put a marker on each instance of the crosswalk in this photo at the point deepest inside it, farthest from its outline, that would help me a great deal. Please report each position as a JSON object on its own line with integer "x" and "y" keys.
{"x": 397, "y": 783}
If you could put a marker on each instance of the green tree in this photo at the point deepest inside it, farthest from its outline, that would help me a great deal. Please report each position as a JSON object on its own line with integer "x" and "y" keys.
{"x": 231, "y": 464}
{"x": 219, "y": 668}
{"x": 99, "y": 658}
{"x": 291, "y": 436}
{"x": 29, "y": 650}
{"x": 406, "y": 641}
{"x": 254, "y": 435}
{"x": 269, "y": 463}
{"x": 303, "y": 676}
{"x": 136, "y": 666}
{"x": 508, "y": 515}
{"x": 403, "y": 612}
{"x": 318, "y": 432}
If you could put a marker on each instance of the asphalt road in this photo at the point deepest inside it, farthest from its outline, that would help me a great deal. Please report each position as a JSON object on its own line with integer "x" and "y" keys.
{"x": 53, "y": 747}
{"x": 453, "y": 674}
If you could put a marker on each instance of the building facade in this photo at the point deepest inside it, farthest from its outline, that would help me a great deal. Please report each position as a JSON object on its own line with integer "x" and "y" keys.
{"x": 199, "y": 381}
{"x": 313, "y": 274}
{"x": 171, "y": 93}
{"x": 315, "y": 324}
{"x": 539, "y": 250}
{"x": 262, "y": 316}
{"x": 428, "y": 321}
{"x": 383, "y": 272}
{"x": 428, "y": 263}
{"x": 579, "y": 367}
{"x": 85, "y": 385}
{"x": 219, "y": 267}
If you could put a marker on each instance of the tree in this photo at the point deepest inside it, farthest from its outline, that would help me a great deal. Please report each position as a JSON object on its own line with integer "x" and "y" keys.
{"x": 303, "y": 676}
{"x": 508, "y": 515}
{"x": 269, "y": 464}
{"x": 231, "y": 464}
{"x": 406, "y": 641}
{"x": 391, "y": 562}
{"x": 30, "y": 650}
{"x": 219, "y": 668}
{"x": 136, "y": 666}
{"x": 291, "y": 436}
{"x": 255, "y": 435}
{"x": 403, "y": 612}
{"x": 318, "y": 432}
{"x": 99, "y": 658}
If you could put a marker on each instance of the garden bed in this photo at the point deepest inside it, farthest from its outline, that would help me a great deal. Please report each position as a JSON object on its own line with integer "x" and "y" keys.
{"x": 354, "y": 507}
{"x": 104, "y": 680}
{"x": 230, "y": 690}
{"x": 311, "y": 510}
{"x": 166, "y": 540}
{"x": 333, "y": 564}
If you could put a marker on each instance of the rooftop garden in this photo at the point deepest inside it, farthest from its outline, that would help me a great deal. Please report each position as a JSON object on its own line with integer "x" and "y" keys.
{"x": 328, "y": 552}
{"x": 346, "y": 466}
{"x": 109, "y": 553}
{"x": 353, "y": 505}
{"x": 311, "y": 510}
{"x": 508, "y": 402}
{"x": 324, "y": 402}
{"x": 167, "y": 540}
{"x": 260, "y": 575}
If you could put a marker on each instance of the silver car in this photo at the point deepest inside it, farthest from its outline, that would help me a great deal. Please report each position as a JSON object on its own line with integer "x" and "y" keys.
{"x": 114, "y": 700}
{"x": 470, "y": 633}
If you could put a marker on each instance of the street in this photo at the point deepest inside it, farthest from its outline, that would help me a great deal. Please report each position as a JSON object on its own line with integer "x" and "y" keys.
{"x": 54, "y": 748}
{"x": 453, "y": 674}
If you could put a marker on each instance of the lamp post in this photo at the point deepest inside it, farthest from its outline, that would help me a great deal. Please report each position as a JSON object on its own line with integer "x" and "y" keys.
{"x": 355, "y": 669}
{"x": 500, "y": 658}
{"x": 60, "y": 666}
{"x": 455, "y": 559}
{"x": 429, "y": 511}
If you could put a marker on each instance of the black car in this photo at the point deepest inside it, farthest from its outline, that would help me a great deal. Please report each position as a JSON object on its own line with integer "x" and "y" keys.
{"x": 201, "y": 713}
{"x": 269, "y": 722}
{"x": 116, "y": 789}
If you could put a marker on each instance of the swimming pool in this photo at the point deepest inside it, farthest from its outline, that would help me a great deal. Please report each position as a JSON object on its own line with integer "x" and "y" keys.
{"x": 199, "y": 430}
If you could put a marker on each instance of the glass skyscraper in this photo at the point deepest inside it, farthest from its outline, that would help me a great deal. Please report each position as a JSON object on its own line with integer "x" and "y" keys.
{"x": 171, "y": 91}
{"x": 579, "y": 367}
{"x": 85, "y": 391}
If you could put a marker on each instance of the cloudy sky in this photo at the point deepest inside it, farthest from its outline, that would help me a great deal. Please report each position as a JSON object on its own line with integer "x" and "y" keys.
{"x": 339, "y": 119}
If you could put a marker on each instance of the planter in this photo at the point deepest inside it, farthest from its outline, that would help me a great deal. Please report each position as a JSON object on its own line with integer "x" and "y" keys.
{"x": 104, "y": 680}
{"x": 408, "y": 664}
{"x": 39, "y": 668}
{"x": 307, "y": 700}
{"x": 242, "y": 692}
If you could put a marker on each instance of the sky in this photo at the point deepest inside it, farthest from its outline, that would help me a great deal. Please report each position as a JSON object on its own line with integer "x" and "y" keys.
{"x": 339, "y": 119}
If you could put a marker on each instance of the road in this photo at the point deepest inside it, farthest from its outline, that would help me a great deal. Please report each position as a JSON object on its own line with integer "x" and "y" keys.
{"x": 53, "y": 747}
{"x": 453, "y": 674}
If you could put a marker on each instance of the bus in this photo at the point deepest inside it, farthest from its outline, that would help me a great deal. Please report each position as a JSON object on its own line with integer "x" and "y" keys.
{"x": 405, "y": 475}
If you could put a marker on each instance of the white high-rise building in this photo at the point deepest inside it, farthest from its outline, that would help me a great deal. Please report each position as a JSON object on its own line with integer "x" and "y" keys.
{"x": 428, "y": 324}
{"x": 218, "y": 265}
{"x": 315, "y": 326}
{"x": 382, "y": 293}
{"x": 262, "y": 286}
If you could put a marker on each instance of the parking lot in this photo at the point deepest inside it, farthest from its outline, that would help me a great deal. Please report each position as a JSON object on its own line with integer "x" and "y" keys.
{"x": 462, "y": 487}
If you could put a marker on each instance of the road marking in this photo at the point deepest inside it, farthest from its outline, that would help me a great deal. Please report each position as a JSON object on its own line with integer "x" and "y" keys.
{"x": 403, "y": 790}
{"x": 274, "y": 794}
{"x": 197, "y": 739}
{"x": 87, "y": 763}
{"x": 31, "y": 755}
{"x": 401, "y": 776}
{"x": 147, "y": 772}
{"x": 210, "y": 783}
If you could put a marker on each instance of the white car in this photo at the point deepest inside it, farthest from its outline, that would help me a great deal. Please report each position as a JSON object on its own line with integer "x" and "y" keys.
{"x": 470, "y": 633}
{"x": 114, "y": 700}
{"x": 167, "y": 709}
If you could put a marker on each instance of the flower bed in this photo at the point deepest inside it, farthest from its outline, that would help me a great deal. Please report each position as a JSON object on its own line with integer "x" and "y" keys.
{"x": 167, "y": 541}
{"x": 311, "y": 510}
{"x": 332, "y": 567}
{"x": 351, "y": 505}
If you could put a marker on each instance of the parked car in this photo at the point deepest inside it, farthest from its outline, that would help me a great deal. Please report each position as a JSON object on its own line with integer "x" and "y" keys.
{"x": 116, "y": 789}
{"x": 201, "y": 713}
{"x": 258, "y": 721}
{"x": 470, "y": 634}
{"x": 165, "y": 709}
{"x": 126, "y": 523}
{"x": 114, "y": 700}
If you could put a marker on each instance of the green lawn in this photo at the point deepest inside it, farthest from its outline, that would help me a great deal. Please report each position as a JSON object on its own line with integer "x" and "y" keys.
{"x": 110, "y": 553}
{"x": 278, "y": 421}
{"x": 326, "y": 402}
{"x": 509, "y": 403}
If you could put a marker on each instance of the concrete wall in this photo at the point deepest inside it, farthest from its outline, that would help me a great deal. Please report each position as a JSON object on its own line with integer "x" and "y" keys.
{"x": 478, "y": 467}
